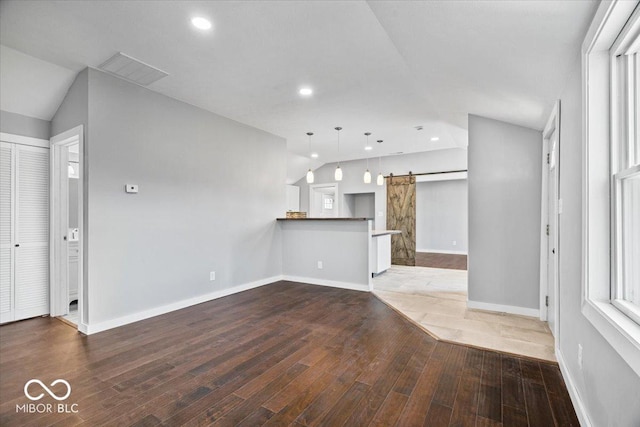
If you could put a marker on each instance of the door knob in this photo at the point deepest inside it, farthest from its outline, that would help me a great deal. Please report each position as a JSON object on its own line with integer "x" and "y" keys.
{"x": 64, "y": 238}
{"x": 17, "y": 245}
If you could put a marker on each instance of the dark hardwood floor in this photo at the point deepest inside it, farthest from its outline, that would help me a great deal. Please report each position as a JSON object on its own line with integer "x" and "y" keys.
{"x": 283, "y": 354}
{"x": 437, "y": 260}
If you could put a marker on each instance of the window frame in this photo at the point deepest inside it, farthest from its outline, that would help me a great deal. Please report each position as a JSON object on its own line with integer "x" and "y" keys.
{"x": 624, "y": 112}
{"x": 599, "y": 225}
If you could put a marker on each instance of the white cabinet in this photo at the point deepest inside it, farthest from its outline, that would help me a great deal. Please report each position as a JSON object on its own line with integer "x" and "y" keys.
{"x": 293, "y": 198}
{"x": 380, "y": 253}
{"x": 24, "y": 231}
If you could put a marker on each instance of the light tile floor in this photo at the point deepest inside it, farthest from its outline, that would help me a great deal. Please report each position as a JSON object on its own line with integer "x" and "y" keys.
{"x": 436, "y": 300}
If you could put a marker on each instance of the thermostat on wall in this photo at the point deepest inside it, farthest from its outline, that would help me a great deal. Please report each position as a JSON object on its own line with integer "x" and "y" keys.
{"x": 131, "y": 188}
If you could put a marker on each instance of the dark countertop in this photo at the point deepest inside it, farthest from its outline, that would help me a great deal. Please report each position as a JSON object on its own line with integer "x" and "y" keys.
{"x": 322, "y": 219}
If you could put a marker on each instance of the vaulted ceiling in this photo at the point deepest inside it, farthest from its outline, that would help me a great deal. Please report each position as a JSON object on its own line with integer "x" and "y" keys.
{"x": 378, "y": 66}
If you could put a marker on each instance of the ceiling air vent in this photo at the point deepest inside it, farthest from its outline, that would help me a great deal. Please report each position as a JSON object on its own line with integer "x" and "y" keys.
{"x": 131, "y": 69}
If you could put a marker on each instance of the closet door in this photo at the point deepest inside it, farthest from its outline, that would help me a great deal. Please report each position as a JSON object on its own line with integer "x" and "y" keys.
{"x": 24, "y": 231}
{"x": 31, "y": 248}
{"x": 6, "y": 232}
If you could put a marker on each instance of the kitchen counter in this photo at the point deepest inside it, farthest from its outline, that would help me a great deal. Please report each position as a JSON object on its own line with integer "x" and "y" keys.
{"x": 376, "y": 233}
{"x": 322, "y": 219}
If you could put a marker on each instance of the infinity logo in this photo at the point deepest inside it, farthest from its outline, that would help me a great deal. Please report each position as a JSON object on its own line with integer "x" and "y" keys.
{"x": 52, "y": 394}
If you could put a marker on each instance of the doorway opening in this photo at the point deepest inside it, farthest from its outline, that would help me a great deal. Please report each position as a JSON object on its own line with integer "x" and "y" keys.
{"x": 323, "y": 201}
{"x": 551, "y": 209}
{"x": 67, "y": 233}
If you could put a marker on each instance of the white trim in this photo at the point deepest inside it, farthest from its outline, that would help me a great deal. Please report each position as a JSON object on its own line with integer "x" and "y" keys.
{"x": 499, "y": 308}
{"x": 157, "y": 311}
{"x": 336, "y": 201}
{"x": 330, "y": 283}
{"x": 24, "y": 140}
{"x": 71, "y": 136}
{"x": 442, "y": 251}
{"x": 578, "y": 404}
{"x": 449, "y": 176}
{"x": 622, "y": 334}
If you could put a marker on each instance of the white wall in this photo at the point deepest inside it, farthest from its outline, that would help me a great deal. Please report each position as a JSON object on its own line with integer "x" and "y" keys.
{"x": 18, "y": 124}
{"x": 428, "y": 161}
{"x": 365, "y": 205}
{"x": 504, "y": 213}
{"x": 441, "y": 216}
{"x": 72, "y": 112}
{"x": 210, "y": 190}
{"x": 607, "y": 386}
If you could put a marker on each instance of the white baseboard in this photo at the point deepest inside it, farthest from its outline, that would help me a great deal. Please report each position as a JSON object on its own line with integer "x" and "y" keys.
{"x": 89, "y": 329}
{"x": 442, "y": 251}
{"x": 578, "y": 404}
{"x": 330, "y": 283}
{"x": 511, "y": 309}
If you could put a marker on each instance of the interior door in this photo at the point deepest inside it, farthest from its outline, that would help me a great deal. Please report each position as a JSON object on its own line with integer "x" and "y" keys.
{"x": 32, "y": 232}
{"x": 6, "y": 232}
{"x": 552, "y": 241}
{"x": 401, "y": 215}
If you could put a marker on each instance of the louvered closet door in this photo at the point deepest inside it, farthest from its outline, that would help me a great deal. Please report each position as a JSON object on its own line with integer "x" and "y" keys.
{"x": 6, "y": 233}
{"x": 31, "y": 231}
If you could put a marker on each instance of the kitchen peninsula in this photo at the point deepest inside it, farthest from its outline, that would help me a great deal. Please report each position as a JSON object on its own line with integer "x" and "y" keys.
{"x": 338, "y": 252}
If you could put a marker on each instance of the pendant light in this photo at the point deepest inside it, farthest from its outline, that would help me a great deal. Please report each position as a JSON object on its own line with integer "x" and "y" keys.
{"x": 309, "y": 172}
{"x": 338, "y": 174}
{"x": 367, "y": 174}
{"x": 380, "y": 180}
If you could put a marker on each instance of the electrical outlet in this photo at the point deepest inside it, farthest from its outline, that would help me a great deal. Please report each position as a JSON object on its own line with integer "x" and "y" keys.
{"x": 455, "y": 243}
{"x": 319, "y": 265}
{"x": 212, "y": 276}
{"x": 580, "y": 356}
{"x": 131, "y": 188}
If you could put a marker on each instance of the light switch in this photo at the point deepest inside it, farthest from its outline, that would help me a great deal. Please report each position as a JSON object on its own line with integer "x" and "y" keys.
{"x": 131, "y": 188}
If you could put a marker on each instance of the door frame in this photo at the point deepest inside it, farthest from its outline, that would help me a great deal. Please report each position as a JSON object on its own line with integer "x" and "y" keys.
{"x": 58, "y": 216}
{"x": 27, "y": 141}
{"x": 553, "y": 124}
{"x": 336, "y": 202}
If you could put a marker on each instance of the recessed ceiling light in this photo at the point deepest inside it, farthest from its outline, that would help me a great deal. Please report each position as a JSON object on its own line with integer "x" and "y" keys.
{"x": 201, "y": 23}
{"x": 306, "y": 91}
{"x": 435, "y": 138}
{"x": 314, "y": 155}
{"x": 368, "y": 148}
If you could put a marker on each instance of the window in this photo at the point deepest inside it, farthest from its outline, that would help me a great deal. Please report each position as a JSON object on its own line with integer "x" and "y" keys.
{"x": 611, "y": 190}
{"x": 328, "y": 203}
{"x": 625, "y": 167}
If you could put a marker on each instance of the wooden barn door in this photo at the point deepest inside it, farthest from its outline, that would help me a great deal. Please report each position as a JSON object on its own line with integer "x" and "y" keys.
{"x": 401, "y": 215}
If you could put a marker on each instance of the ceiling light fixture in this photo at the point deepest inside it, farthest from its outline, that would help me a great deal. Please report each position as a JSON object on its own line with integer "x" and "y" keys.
{"x": 314, "y": 155}
{"x": 368, "y": 148}
{"x": 435, "y": 138}
{"x": 380, "y": 179}
{"x": 201, "y": 23}
{"x": 306, "y": 91}
{"x": 310, "y": 177}
{"x": 338, "y": 174}
{"x": 367, "y": 174}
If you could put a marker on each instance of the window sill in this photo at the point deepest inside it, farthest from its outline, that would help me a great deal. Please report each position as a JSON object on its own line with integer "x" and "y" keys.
{"x": 622, "y": 333}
